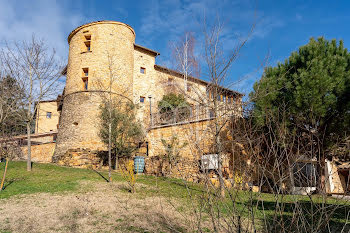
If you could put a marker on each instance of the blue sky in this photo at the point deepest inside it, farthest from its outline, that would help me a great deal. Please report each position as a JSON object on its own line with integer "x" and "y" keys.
{"x": 281, "y": 26}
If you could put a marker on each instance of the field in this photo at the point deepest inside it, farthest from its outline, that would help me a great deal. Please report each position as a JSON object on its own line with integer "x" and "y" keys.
{"x": 61, "y": 199}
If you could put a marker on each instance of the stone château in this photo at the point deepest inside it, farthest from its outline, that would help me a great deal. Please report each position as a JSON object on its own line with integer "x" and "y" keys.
{"x": 103, "y": 51}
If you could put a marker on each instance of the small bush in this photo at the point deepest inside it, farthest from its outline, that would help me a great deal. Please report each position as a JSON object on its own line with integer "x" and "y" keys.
{"x": 129, "y": 175}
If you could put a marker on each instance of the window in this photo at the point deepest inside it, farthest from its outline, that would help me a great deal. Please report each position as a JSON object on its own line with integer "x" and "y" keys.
{"x": 224, "y": 98}
{"x": 86, "y": 83}
{"x": 48, "y": 115}
{"x": 85, "y": 78}
{"x": 305, "y": 174}
{"x": 189, "y": 87}
{"x": 170, "y": 81}
{"x": 87, "y": 37}
{"x": 229, "y": 99}
{"x": 88, "y": 45}
{"x": 142, "y": 99}
{"x": 85, "y": 72}
{"x": 87, "y": 42}
{"x": 218, "y": 97}
{"x": 142, "y": 70}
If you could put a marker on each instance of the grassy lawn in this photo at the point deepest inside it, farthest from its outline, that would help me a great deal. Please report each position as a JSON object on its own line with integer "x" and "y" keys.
{"x": 49, "y": 178}
{"x": 43, "y": 178}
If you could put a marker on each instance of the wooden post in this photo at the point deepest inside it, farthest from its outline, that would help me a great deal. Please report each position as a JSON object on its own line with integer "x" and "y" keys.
{"x": 3, "y": 178}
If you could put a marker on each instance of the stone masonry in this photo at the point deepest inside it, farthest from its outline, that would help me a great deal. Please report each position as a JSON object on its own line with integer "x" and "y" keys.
{"x": 104, "y": 55}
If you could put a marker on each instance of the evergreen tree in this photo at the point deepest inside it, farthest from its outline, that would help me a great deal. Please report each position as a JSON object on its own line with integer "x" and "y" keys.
{"x": 126, "y": 132}
{"x": 12, "y": 109}
{"x": 311, "y": 88}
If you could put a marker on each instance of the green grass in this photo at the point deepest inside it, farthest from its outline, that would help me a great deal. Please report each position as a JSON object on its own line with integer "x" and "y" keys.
{"x": 49, "y": 178}
{"x": 46, "y": 178}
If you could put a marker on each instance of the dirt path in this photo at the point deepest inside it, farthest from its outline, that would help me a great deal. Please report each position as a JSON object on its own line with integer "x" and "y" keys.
{"x": 106, "y": 209}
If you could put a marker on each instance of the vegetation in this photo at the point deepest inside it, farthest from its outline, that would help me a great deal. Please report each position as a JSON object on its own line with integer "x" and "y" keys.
{"x": 172, "y": 101}
{"x": 36, "y": 70}
{"x": 119, "y": 126}
{"x": 129, "y": 175}
{"x": 172, "y": 150}
{"x": 173, "y": 107}
{"x": 50, "y": 178}
{"x": 311, "y": 87}
{"x": 12, "y": 111}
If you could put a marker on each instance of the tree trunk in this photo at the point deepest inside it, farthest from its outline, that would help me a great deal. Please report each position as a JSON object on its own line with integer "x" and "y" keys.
{"x": 170, "y": 168}
{"x": 109, "y": 152}
{"x": 116, "y": 162}
{"x": 221, "y": 179}
{"x": 29, "y": 151}
{"x": 218, "y": 147}
{"x": 291, "y": 176}
{"x": 29, "y": 154}
{"x": 322, "y": 187}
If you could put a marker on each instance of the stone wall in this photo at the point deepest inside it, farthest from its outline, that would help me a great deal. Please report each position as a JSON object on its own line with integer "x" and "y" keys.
{"x": 40, "y": 153}
{"x": 110, "y": 58}
{"x": 195, "y": 138}
{"x": 82, "y": 158}
{"x": 184, "y": 168}
{"x": 79, "y": 126}
{"x": 193, "y": 141}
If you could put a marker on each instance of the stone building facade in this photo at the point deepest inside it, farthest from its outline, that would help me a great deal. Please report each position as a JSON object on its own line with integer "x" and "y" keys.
{"x": 103, "y": 58}
{"x": 47, "y": 117}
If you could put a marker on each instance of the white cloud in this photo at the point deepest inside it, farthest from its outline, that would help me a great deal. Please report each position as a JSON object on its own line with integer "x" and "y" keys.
{"x": 170, "y": 19}
{"x": 45, "y": 19}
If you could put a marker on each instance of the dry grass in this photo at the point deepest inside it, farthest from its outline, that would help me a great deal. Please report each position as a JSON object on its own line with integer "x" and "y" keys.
{"x": 106, "y": 209}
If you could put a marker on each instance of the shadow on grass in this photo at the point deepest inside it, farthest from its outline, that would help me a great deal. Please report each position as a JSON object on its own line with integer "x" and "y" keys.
{"x": 8, "y": 184}
{"x": 101, "y": 175}
{"x": 304, "y": 216}
{"x": 184, "y": 184}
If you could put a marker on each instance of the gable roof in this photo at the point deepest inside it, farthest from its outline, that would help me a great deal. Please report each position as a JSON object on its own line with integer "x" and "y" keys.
{"x": 155, "y": 53}
{"x": 191, "y": 78}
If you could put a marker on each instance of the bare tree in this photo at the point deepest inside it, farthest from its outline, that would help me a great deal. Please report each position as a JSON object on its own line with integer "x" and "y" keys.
{"x": 186, "y": 61}
{"x": 37, "y": 70}
{"x": 218, "y": 63}
{"x": 118, "y": 112}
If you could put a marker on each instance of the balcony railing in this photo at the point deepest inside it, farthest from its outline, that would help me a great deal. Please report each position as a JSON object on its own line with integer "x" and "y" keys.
{"x": 191, "y": 114}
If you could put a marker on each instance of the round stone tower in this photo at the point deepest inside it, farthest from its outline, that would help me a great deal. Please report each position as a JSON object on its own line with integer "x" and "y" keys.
{"x": 101, "y": 56}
